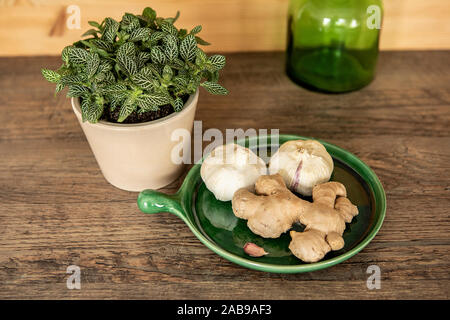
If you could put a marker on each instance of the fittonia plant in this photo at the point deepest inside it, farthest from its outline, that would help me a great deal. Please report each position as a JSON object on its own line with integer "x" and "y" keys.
{"x": 136, "y": 65}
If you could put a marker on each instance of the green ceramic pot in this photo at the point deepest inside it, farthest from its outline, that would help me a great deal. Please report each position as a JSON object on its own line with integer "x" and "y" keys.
{"x": 215, "y": 225}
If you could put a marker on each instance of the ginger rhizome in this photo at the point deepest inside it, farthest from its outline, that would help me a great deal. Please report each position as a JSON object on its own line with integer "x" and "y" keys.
{"x": 274, "y": 209}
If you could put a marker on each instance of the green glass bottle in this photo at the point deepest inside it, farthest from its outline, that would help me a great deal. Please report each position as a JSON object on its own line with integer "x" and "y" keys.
{"x": 333, "y": 44}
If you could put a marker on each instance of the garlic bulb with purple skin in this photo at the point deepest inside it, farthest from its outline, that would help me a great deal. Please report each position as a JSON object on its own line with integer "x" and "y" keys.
{"x": 303, "y": 164}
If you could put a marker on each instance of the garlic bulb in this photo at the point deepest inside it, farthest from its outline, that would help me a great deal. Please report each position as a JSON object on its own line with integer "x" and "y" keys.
{"x": 229, "y": 168}
{"x": 302, "y": 164}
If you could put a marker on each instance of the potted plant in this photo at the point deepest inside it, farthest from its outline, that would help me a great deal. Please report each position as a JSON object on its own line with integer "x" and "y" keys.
{"x": 131, "y": 84}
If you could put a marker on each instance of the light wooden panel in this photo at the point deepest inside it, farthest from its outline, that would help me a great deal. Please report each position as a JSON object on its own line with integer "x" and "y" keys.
{"x": 37, "y": 27}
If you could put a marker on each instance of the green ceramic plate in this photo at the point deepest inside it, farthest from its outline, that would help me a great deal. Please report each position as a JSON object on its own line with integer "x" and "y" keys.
{"x": 214, "y": 223}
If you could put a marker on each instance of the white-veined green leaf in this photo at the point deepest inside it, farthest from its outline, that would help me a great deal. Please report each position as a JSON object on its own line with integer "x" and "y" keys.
{"x": 90, "y": 32}
{"x": 65, "y": 54}
{"x": 128, "y": 48}
{"x": 156, "y": 36}
{"x": 93, "y": 61}
{"x": 95, "y": 111}
{"x": 188, "y": 48}
{"x": 157, "y": 55}
{"x": 115, "y": 88}
{"x": 201, "y": 41}
{"x": 180, "y": 80}
{"x": 115, "y": 102}
{"x": 144, "y": 81}
{"x": 86, "y": 101}
{"x": 109, "y": 77}
{"x": 99, "y": 77}
{"x": 214, "y": 88}
{"x": 147, "y": 71}
{"x": 94, "y": 24}
{"x": 149, "y": 14}
{"x": 104, "y": 66}
{"x": 201, "y": 57}
{"x": 102, "y": 44}
{"x": 196, "y": 30}
{"x": 217, "y": 61}
{"x": 129, "y": 22}
{"x": 50, "y": 75}
{"x": 169, "y": 28}
{"x": 167, "y": 73}
{"x": 157, "y": 99}
{"x": 127, "y": 64}
{"x": 76, "y": 90}
{"x": 140, "y": 34}
{"x": 212, "y": 76}
{"x": 111, "y": 28}
{"x": 146, "y": 104}
{"x": 177, "y": 64}
{"x": 170, "y": 47}
{"x": 59, "y": 87}
{"x": 72, "y": 79}
{"x": 153, "y": 69}
{"x": 178, "y": 104}
{"x": 127, "y": 108}
{"x": 142, "y": 58}
{"x": 126, "y": 56}
{"x": 78, "y": 55}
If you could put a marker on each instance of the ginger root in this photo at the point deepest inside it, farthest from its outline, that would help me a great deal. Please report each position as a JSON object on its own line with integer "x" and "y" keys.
{"x": 274, "y": 209}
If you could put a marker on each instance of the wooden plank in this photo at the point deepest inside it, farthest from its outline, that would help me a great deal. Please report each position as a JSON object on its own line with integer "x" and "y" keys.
{"x": 58, "y": 210}
{"x": 39, "y": 27}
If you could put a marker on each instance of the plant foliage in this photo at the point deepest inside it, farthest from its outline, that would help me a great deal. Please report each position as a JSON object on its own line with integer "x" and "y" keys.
{"x": 138, "y": 64}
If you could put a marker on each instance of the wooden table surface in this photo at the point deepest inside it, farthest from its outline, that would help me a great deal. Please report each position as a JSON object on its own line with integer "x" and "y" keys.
{"x": 57, "y": 209}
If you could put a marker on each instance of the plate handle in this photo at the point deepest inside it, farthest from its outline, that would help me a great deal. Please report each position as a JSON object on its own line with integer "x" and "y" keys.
{"x": 152, "y": 201}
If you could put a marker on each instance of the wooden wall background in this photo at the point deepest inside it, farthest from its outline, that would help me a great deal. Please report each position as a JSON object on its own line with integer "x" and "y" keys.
{"x": 38, "y": 27}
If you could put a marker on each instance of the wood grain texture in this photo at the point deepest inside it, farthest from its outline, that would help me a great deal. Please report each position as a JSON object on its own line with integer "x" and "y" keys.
{"x": 57, "y": 209}
{"x": 38, "y": 27}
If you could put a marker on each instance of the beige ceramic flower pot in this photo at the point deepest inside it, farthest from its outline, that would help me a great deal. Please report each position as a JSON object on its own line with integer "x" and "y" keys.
{"x": 135, "y": 157}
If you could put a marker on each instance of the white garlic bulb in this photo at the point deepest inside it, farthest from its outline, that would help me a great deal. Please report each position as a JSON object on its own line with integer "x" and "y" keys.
{"x": 229, "y": 168}
{"x": 303, "y": 164}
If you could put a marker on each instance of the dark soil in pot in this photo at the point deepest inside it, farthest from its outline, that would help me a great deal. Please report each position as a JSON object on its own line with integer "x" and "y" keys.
{"x": 136, "y": 117}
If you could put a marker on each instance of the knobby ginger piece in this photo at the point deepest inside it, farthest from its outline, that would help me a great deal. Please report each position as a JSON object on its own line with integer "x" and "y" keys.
{"x": 274, "y": 209}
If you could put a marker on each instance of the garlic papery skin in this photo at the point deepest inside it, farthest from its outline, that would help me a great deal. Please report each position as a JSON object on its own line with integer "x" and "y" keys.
{"x": 229, "y": 168}
{"x": 303, "y": 164}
